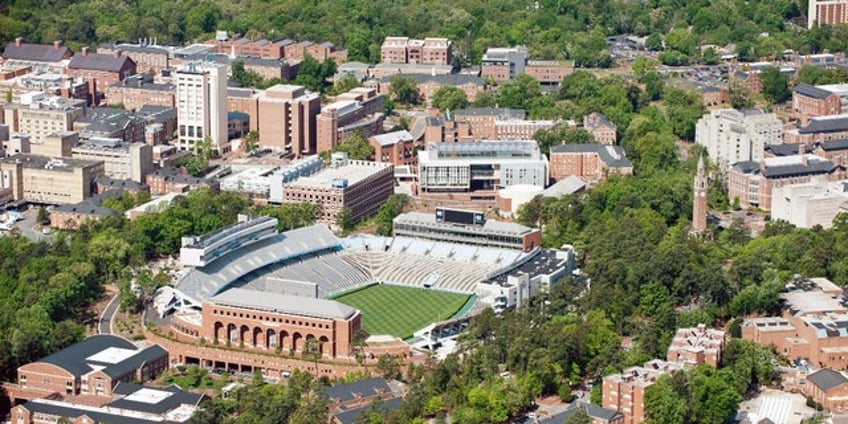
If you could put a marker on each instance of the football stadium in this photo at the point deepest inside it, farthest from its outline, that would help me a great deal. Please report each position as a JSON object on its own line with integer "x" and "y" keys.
{"x": 263, "y": 293}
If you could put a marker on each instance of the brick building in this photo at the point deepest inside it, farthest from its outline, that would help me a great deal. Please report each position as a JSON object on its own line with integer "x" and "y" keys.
{"x": 696, "y": 346}
{"x": 100, "y": 70}
{"x": 287, "y": 119}
{"x": 359, "y": 110}
{"x": 809, "y": 327}
{"x": 752, "y": 182}
{"x": 149, "y": 58}
{"x": 826, "y": 12}
{"x": 548, "y": 72}
{"x": 429, "y": 51}
{"x": 818, "y": 129}
{"x": 140, "y": 90}
{"x": 810, "y": 101}
{"x": 591, "y": 162}
{"x": 604, "y": 131}
{"x": 360, "y": 186}
{"x": 625, "y": 392}
{"x": 828, "y": 388}
{"x": 504, "y": 64}
{"x": 446, "y": 130}
{"x": 240, "y": 46}
{"x": 170, "y": 180}
{"x": 40, "y": 57}
{"x": 94, "y": 366}
{"x": 397, "y": 148}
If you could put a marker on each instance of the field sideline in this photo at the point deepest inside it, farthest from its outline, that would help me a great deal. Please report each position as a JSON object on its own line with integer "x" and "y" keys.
{"x": 399, "y": 310}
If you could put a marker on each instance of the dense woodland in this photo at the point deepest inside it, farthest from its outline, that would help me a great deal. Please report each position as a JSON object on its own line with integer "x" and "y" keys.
{"x": 552, "y": 29}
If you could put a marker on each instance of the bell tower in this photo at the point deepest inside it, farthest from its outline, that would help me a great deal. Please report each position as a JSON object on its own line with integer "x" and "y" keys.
{"x": 699, "y": 198}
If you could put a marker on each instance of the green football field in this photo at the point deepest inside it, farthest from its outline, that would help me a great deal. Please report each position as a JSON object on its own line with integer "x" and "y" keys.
{"x": 400, "y": 311}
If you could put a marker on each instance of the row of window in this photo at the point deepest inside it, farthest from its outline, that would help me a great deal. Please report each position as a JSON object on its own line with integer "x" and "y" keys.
{"x": 270, "y": 319}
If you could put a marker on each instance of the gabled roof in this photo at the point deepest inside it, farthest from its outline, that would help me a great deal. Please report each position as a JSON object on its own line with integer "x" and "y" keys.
{"x": 827, "y": 379}
{"x": 99, "y": 62}
{"x": 166, "y": 403}
{"x": 783, "y": 149}
{"x": 73, "y": 358}
{"x": 826, "y": 124}
{"x": 150, "y": 353}
{"x": 35, "y": 52}
{"x": 830, "y": 145}
{"x": 99, "y": 415}
{"x": 363, "y": 388}
{"x": 592, "y": 410}
{"x": 812, "y": 91}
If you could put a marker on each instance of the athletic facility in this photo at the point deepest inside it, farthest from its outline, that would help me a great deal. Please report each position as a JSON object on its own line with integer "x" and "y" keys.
{"x": 305, "y": 291}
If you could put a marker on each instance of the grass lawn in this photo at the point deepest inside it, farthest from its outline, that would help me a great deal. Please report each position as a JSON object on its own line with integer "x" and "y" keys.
{"x": 400, "y": 311}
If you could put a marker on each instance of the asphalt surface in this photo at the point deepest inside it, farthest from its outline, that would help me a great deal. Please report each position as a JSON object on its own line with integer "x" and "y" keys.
{"x": 104, "y": 326}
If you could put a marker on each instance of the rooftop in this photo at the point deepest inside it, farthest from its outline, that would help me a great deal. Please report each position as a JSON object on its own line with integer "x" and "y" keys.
{"x": 612, "y": 156}
{"x": 362, "y": 388}
{"x": 827, "y": 379}
{"x": 825, "y": 124}
{"x": 99, "y": 62}
{"x": 812, "y": 91}
{"x": 500, "y": 113}
{"x": 392, "y": 138}
{"x": 490, "y": 227}
{"x": 35, "y": 52}
{"x": 353, "y": 172}
{"x": 812, "y": 302}
{"x": 113, "y": 354}
{"x": 283, "y": 303}
{"x": 35, "y": 161}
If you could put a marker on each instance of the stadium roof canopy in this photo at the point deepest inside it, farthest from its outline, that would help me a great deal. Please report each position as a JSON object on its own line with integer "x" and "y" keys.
{"x": 200, "y": 284}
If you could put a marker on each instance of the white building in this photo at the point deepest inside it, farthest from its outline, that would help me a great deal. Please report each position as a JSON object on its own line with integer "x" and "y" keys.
{"x": 202, "y": 105}
{"x": 480, "y": 165}
{"x": 732, "y": 135}
{"x": 809, "y": 204}
{"x": 826, "y": 12}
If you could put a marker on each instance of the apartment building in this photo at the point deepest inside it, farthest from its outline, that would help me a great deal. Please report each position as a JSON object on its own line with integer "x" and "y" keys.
{"x": 100, "y": 70}
{"x": 429, "y": 51}
{"x": 753, "y": 182}
{"x": 732, "y": 136}
{"x": 503, "y": 64}
{"x": 604, "y": 131}
{"x": 359, "y": 110}
{"x": 360, "y": 186}
{"x": 287, "y": 119}
{"x": 625, "y": 392}
{"x": 591, "y": 162}
{"x": 826, "y": 12}
{"x": 202, "y": 105}
{"x": 42, "y": 116}
{"x": 40, "y": 179}
{"x": 123, "y": 161}
{"x": 139, "y": 90}
{"x": 696, "y": 346}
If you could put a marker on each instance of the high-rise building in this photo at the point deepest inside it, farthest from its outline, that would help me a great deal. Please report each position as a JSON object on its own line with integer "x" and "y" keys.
{"x": 202, "y": 105}
{"x": 827, "y": 12}
{"x": 287, "y": 119}
{"x": 732, "y": 136}
{"x": 699, "y": 199}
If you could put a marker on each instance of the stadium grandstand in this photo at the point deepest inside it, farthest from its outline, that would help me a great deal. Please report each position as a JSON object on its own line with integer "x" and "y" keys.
{"x": 469, "y": 227}
{"x": 264, "y": 290}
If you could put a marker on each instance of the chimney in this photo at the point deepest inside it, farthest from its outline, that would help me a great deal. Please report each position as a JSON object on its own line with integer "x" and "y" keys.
{"x": 117, "y": 54}
{"x": 84, "y": 51}
{"x": 57, "y": 44}
{"x": 804, "y": 160}
{"x": 802, "y": 148}
{"x": 18, "y": 41}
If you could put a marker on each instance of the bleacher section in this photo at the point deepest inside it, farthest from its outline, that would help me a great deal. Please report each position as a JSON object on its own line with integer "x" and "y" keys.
{"x": 199, "y": 284}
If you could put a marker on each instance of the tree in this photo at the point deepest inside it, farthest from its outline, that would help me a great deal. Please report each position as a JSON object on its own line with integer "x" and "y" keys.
{"x": 740, "y": 96}
{"x": 642, "y": 65}
{"x": 345, "y": 84}
{"x": 344, "y": 220}
{"x": 449, "y": 97}
{"x": 9, "y": 96}
{"x": 518, "y": 93}
{"x": 388, "y": 211}
{"x": 579, "y": 416}
{"x": 356, "y": 147}
{"x": 404, "y": 89}
{"x": 251, "y": 141}
{"x": 654, "y": 42}
{"x": 43, "y": 216}
{"x": 775, "y": 84}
